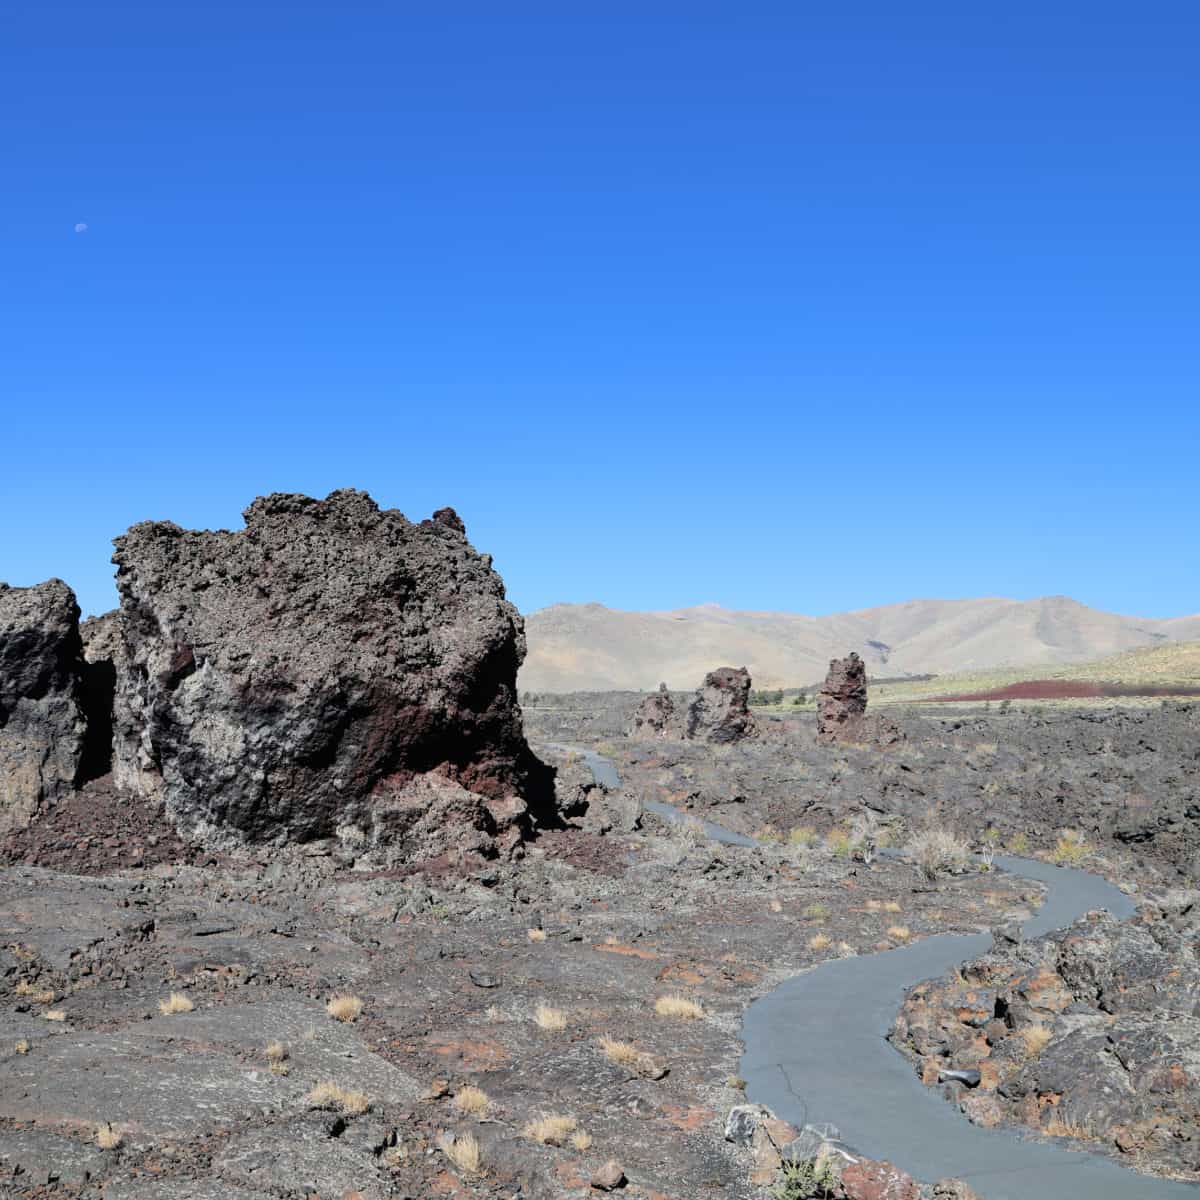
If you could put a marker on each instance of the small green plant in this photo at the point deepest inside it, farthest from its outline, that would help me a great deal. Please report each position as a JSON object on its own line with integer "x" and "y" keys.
{"x": 839, "y": 843}
{"x": 1019, "y": 843}
{"x": 1070, "y": 848}
{"x": 815, "y": 1180}
{"x": 802, "y": 835}
{"x": 817, "y": 912}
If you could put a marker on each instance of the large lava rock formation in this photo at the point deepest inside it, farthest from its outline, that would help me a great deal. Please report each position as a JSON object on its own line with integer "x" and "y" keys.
{"x": 42, "y": 721}
{"x": 332, "y": 669}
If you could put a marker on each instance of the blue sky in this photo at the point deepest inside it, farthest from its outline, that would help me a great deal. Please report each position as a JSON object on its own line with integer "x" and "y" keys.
{"x": 780, "y": 305}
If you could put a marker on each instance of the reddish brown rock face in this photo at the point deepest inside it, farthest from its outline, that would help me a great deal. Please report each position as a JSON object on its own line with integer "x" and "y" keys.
{"x": 843, "y": 698}
{"x": 878, "y": 1181}
{"x": 842, "y": 707}
{"x": 299, "y": 676}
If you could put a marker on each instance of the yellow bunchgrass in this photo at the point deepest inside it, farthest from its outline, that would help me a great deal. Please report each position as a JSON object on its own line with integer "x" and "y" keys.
{"x": 899, "y": 933}
{"x": 175, "y": 1003}
{"x": 819, "y": 941}
{"x": 626, "y": 1054}
{"x": 802, "y": 836}
{"x": 678, "y": 1006}
{"x": 54, "y": 1014}
{"x": 34, "y": 993}
{"x": 462, "y": 1150}
{"x": 342, "y": 1006}
{"x": 536, "y": 935}
{"x": 107, "y": 1138}
{"x": 22, "y": 1046}
{"x": 331, "y": 1095}
{"x": 550, "y": 1131}
{"x": 472, "y": 1100}
{"x": 1036, "y": 1039}
{"x": 551, "y": 1020}
{"x": 581, "y": 1141}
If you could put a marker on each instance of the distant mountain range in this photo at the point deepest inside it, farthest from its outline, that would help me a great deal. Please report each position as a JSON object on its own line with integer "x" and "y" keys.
{"x": 585, "y": 647}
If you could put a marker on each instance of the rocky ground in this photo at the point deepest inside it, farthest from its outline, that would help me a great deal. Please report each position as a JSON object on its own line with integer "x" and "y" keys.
{"x": 588, "y": 930}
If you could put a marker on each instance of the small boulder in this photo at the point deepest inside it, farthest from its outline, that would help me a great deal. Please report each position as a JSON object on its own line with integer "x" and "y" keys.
{"x": 655, "y": 716}
{"x": 609, "y": 1177}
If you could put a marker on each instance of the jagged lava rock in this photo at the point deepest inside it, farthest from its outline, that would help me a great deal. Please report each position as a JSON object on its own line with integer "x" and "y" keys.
{"x": 842, "y": 700}
{"x": 42, "y": 722}
{"x": 330, "y": 669}
{"x": 842, "y": 707}
{"x": 720, "y": 711}
{"x": 655, "y": 716}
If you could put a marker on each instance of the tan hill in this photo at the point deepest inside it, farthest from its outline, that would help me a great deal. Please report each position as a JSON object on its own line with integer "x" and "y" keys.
{"x": 585, "y": 647}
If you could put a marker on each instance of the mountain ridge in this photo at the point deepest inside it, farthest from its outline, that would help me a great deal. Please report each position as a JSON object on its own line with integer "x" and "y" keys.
{"x": 584, "y": 647}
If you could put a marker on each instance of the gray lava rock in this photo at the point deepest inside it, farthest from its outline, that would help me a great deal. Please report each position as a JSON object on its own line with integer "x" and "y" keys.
{"x": 42, "y": 721}
{"x": 330, "y": 669}
{"x": 655, "y": 716}
{"x": 720, "y": 712}
{"x": 741, "y": 1123}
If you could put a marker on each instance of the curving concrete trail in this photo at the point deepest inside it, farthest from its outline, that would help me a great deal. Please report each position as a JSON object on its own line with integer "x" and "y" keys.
{"x": 816, "y": 1051}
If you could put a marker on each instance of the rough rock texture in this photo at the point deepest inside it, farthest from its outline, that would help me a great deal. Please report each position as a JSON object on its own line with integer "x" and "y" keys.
{"x": 655, "y": 716}
{"x": 1090, "y": 1033}
{"x": 842, "y": 701}
{"x": 842, "y": 707}
{"x": 42, "y": 723}
{"x": 330, "y": 669}
{"x": 720, "y": 712}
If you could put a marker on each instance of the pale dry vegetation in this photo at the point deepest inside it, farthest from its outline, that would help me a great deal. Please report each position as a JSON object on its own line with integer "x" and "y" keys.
{"x": 34, "y": 993}
{"x": 108, "y": 1138}
{"x": 551, "y": 1130}
{"x": 174, "y": 1004}
{"x": 581, "y": 1141}
{"x": 472, "y": 1100}
{"x": 678, "y": 1006}
{"x": 462, "y": 1150}
{"x": 1070, "y": 848}
{"x": 333, "y": 1096}
{"x": 936, "y": 850}
{"x": 536, "y": 935}
{"x": 342, "y": 1006}
{"x": 1036, "y": 1039}
{"x": 550, "y": 1020}
{"x": 819, "y": 942}
{"x": 899, "y": 933}
{"x": 54, "y": 1014}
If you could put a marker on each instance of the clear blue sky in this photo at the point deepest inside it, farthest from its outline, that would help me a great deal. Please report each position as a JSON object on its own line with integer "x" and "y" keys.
{"x": 781, "y": 305}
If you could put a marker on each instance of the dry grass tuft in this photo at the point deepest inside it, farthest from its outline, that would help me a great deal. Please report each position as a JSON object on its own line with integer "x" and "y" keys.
{"x": 536, "y": 935}
{"x": 550, "y": 1131}
{"x": 1036, "y": 1039}
{"x": 1019, "y": 844}
{"x": 802, "y": 836}
{"x": 176, "y": 1002}
{"x": 625, "y": 1054}
{"x": 581, "y": 1141}
{"x": 775, "y": 906}
{"x": 839, "y": 843}
{"x": 899, "y": 933}
{"x": 892, "y": 906}
{"x": 472, "y": 1100}
{"x": 819, "y": 942}
{"x": 22, "y": 1046}
{"x": 277, "y": 1056}
{"x": 108, "y": 1138}
{"x": 36, "y": 994}
{"x": 330, "y": 1095}
{"x": 937, "y": 850}
{"x": 678, "y": 1006}
{"x": 342, "y": 1006}
{"x": 54, "y": 1014}
{"x": 552, "y": 1020}
{"x": 816, "y": 912}
{"x": 461, "y": 1150}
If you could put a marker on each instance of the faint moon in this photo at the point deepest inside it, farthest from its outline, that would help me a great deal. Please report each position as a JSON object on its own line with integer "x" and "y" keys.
{"x": 81, "y": 227}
